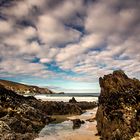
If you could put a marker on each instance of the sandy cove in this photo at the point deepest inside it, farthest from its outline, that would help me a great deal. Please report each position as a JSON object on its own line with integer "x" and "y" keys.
{"x": 90, "y": 128}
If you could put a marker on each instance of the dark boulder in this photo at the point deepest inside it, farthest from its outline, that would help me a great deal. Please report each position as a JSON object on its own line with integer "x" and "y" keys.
{"x": 77, "y": 123}
{"x": 72, "y": 100}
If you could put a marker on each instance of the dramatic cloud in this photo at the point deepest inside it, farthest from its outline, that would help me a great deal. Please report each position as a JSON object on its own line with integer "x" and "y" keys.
{"x": 53, "y": 32}
{"x": 71, "y": 40}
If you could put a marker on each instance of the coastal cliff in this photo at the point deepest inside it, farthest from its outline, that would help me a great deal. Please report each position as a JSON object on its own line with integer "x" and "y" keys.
{"x": 118, "y": 114}
{"x": 24, "y": 89}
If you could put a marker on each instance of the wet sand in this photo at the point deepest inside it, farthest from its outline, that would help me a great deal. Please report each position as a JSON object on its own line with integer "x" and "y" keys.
{"x": 90, "y": 128}
{"x": 84, "y": 136}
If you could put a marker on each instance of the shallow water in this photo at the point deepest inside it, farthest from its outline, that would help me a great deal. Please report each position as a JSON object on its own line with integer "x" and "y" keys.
{"x": 62, "y": 131}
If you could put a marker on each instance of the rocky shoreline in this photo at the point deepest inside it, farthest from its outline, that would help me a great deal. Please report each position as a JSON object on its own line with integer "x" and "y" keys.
{"x": 76, "y": 127}
{"x": 118, "y": 114}
{"x": 21, "y": 118}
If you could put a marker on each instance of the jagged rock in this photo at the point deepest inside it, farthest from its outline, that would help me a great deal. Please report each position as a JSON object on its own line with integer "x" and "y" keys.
{"x": 4, "y": 127}
{"x": 72, "y": 100}
{"x": 18, "y": 118}
{"x": 77, "y": 123}
{"x": 83, "y": 105}
{"x": 118, "y": 114}
{"x": 61, "y": 108}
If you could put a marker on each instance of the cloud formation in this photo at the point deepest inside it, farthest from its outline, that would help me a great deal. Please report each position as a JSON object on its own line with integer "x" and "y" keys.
{"x": 81, "y": 39}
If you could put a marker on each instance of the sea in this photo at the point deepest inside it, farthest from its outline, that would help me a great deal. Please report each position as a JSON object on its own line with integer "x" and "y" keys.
{"x": 88, "y": 97}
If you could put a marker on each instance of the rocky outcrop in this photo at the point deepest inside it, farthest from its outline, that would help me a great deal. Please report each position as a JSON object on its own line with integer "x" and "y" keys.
{"x": 59, "y": 108}
{"x": 118, "y": 114}
{"x": 72, "y": 100}
{"x": 18, "y": 118}
{"x": 83, "y": 105}
{"x": 86, "y": 105}
{"x": 21, "y": 118}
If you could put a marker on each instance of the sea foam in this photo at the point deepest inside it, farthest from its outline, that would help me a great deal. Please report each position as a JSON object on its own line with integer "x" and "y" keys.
{"x": 65, "y": 98}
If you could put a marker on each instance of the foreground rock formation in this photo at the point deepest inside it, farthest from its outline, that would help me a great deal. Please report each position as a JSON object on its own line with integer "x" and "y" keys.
{"x": 118, "y": 114}
{"x": 21, "y": 118}
{"x": 18, "y": 118}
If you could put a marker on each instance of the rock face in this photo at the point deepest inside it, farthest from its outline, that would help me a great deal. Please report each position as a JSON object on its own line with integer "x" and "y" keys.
{"x": 18, "y": 118}
{"x": 118, "y": 114}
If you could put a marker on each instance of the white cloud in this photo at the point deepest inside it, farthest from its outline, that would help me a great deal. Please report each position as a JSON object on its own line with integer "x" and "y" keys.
{"x": 19, "y": 9}
{"x": 5, "y": 27}
{"x": 111, "y": 39}
{"x": 16, "y": 67}
{"x": 73, "y": 50}
{"x": 53, "y": 32}
{"x": 67, "y": 9}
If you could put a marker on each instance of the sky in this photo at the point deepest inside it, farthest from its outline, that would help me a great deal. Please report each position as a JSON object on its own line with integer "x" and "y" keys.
{"x": 67, "y": 45}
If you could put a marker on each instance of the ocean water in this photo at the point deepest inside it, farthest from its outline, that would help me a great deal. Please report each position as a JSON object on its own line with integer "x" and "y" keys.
{"x": 89, "y": 97}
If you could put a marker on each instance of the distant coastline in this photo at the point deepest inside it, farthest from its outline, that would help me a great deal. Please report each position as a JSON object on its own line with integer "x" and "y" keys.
{"x": 24, "y": 89}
